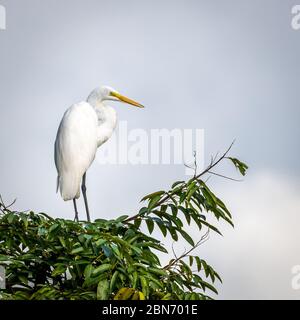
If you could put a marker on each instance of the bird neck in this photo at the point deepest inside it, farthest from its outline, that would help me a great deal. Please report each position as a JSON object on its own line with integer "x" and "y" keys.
{"x": 96, "y": 100}
{"x": 107, "y": 120}
{"x": 106, "y": 115}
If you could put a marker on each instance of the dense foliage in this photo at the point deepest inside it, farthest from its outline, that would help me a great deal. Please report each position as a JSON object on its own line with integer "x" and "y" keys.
{"x": 47, "y": 258}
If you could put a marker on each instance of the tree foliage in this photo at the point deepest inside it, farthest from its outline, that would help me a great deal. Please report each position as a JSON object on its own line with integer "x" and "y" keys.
{"x": 47, "y": 258}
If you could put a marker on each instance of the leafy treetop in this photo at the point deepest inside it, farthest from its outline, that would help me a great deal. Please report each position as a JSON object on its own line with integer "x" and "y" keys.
{"x": 47, "y": 258}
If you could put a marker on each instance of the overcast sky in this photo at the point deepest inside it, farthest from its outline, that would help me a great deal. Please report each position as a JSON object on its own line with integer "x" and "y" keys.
{"x": 228, "y": 67}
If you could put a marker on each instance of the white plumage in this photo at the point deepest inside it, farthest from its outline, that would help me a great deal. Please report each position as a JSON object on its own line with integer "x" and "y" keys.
{"x": 84, "y": 127}
{"x": 75, "y": 148}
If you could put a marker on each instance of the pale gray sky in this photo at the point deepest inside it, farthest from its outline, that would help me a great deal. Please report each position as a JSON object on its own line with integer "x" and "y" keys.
{"x": 229, "y": 67}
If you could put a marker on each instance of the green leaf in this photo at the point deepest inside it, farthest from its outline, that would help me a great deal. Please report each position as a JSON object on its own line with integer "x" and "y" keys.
{"x": 217, "y": 276}
{"x": 88, "y": 271}
{"x": 173, "y": 233}
{"x": 103, "y": 290}
{"x": 176, "y": 221}
{"x": 150, "y": 225}
{"x": 153, "y": 202}
{"x": 158, "y": 247}
{"x": 4, "y": 258}
{"x": 77, "y": 250}
{"x": 159, "y": 272}
{"x": 209, "y": 286}
{"x": 153, "y": 195}
{"x": 135, "y": 277}
{"x": 62, "y": 241}
{"x": 124, "y": 294}
{"x": 10, "y": 217}
{"x": 168, "y": 296}
{"x": 198, "y": 262}
{"x": 104, "y": 267}
{"x": 182, "y": 197}
{"x": 23, "y": 279}
{"x": 114, "y": 280}
{"x": 145, "y": 286}
{"x": 121, "y": 218}
{"x": 187, "y": 237}
{"x": 241, "y": 167}
{"x": 162, "y": 227}
{"x": 143, "y": 211}
{"x": 205, "y": 267}
{"x": 209, "y": 196}
{"x": 59, "y": 270}
{"x": 137, "y": 222}
{"x": 100, "y": 242}
{"x": 210, "y": 226}
{"x": 223, "y": 206}
{"x": 53, "y": 227}
{"x": 186, "y": 214}
{"x": 174, "y": 209}
{"x": 177, "y": 183}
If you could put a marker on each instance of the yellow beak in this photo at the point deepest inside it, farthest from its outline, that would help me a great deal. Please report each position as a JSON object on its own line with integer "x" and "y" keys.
{"x": 126, "y": 100}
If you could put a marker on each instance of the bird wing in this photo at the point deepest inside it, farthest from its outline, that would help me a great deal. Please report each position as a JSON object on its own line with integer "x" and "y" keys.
{"x": 75, "y": 147}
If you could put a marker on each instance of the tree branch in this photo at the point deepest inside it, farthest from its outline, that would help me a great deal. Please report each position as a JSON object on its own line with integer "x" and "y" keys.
{"x": 196, "y": 177}
{"x": 203, "y": 239}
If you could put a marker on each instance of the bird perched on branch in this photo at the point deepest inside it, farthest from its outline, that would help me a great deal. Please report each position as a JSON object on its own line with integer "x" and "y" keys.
{"x": 84, "y": 127}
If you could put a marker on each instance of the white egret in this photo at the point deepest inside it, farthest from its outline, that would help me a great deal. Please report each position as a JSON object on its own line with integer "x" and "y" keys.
{"x": 84, "y": 127}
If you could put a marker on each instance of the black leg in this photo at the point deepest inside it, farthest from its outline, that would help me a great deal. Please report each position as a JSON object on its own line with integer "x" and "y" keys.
{"x": 83, "y": 188}
{"x": 75, "y": 208}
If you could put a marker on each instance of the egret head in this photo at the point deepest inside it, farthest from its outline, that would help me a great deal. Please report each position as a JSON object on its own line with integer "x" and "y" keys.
{"x": 105, "y": 93}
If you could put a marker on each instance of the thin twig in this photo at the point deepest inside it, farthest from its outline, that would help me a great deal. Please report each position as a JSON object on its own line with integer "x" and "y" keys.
{"x": 207, "y": 170}
{"x": 174, "y": 253}
{"x": 203, "y": 239}
{"x": 4, "y": 206}
{"x": 225, "y": 177}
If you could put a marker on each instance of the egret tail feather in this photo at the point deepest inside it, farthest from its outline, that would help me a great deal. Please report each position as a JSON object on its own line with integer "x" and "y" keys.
{"x": 70, "y": 187}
